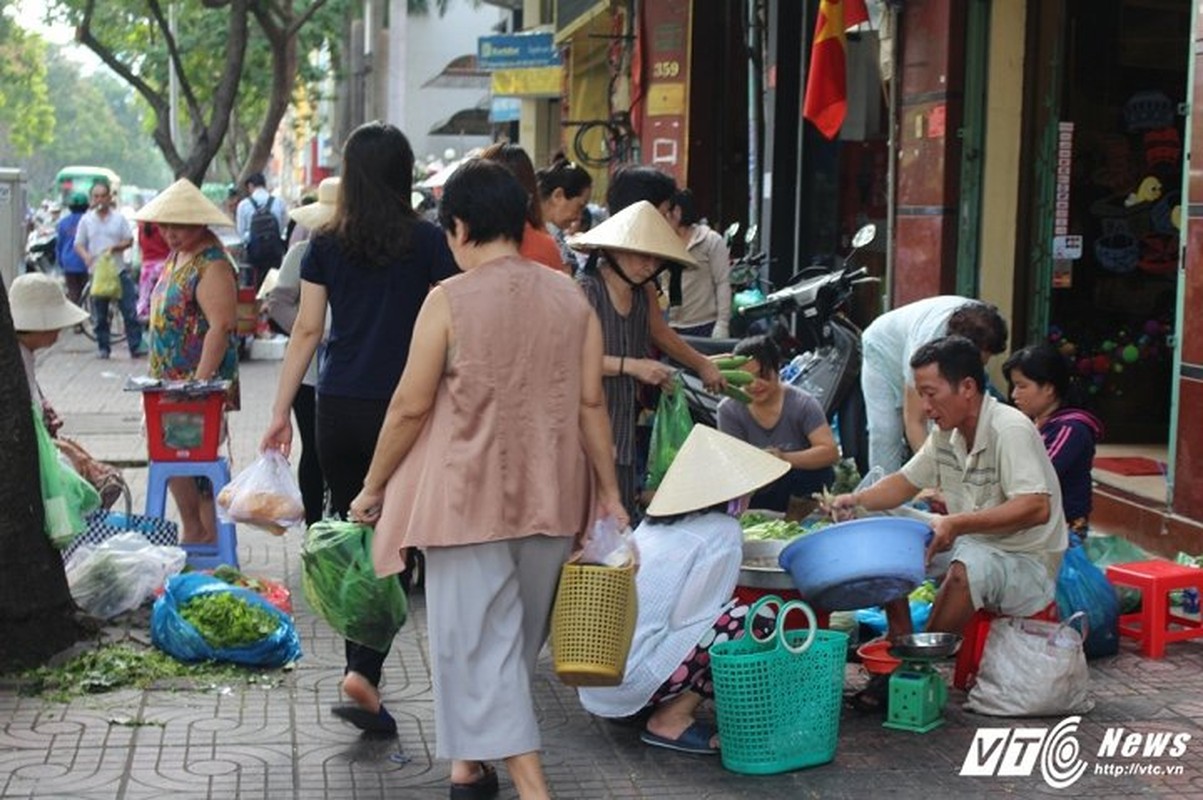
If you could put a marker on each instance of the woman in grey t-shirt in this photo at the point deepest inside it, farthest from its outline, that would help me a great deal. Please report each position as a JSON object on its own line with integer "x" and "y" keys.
{"x": 784, "y": 420}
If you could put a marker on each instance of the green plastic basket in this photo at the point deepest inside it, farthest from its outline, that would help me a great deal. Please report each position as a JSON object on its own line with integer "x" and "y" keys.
{"x": 778, "y": 700}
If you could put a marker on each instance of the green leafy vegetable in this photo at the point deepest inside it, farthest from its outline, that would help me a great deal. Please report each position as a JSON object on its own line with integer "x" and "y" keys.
{"x": 117, "y": 666}
{"x": 225, "y": 620}
{"x": 925, "y": 592}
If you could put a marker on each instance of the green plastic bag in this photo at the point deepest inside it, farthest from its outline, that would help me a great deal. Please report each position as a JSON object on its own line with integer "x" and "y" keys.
{"x": 1103, "y": 551}
{"x": 106, "y": 278}
{"x": 669, "y": 431}
{"x": 66, "y": 497}
{"x": 340, "y": 583}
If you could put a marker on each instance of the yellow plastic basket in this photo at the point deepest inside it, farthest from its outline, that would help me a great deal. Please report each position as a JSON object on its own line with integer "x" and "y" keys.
{"x": 592, "y": 624}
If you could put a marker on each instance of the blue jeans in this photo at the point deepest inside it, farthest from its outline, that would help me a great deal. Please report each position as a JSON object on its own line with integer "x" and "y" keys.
{"x": 126, "y": 303}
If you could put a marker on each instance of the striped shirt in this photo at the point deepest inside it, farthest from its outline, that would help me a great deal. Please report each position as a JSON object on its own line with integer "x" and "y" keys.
{"x": 628, "y": 336}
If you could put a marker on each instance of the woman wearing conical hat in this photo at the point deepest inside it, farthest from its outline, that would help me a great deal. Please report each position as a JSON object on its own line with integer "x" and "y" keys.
{"x": 193, "y": 315}
{"x": 690, "y": 548}
{"x": 627, "y": 252}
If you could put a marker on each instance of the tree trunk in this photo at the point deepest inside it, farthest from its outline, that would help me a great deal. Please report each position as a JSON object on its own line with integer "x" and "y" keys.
{"x": 37, "y": 614}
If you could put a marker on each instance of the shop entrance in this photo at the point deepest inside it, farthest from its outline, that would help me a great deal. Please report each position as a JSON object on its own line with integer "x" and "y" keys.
{"x": 1106, "y": 202}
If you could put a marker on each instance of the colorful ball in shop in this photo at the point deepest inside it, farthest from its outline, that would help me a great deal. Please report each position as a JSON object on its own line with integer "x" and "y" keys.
{"x": 1102, "y": 363}
{"x": 1152, "y": 328}
{"x": 1085, "y": 366}
{"x": 1117, "y": 367}
{"x": 1130, "y": 354}
{"x": 1069, "y": 349}
{"x": 1108, "y": 346}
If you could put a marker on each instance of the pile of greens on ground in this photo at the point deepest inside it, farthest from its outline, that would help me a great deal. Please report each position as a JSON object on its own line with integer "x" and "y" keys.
{"x": 225, "y": 620}
{"x": 125, "y": 665}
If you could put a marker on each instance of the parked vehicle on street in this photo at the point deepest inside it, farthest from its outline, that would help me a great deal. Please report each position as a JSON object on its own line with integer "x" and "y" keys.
{"x": 809, "y": 321}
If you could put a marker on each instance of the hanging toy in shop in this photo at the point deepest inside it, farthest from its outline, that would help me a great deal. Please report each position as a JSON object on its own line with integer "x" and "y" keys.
{"x": 1147, "y": 191}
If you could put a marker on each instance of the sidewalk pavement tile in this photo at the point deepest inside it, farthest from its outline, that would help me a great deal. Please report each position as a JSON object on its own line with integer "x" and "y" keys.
{"x": 281, "y": 741}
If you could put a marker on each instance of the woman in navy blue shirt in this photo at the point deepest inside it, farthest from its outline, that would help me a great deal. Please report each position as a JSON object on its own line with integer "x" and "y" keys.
{"x": 1039, "y": 378}
{"x": 373, "y": 263}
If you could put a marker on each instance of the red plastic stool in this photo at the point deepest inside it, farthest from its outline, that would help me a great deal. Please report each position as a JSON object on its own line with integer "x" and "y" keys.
{"x": 1152, "y": 625}
{"x": 973, "y": 643}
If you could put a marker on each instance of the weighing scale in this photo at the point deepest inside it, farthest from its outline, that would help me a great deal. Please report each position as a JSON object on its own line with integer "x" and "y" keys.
{"x": 918, "y": 692}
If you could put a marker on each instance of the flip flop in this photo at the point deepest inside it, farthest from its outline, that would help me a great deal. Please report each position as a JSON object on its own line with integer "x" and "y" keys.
{"x": 483, "y": 788}
{"x": 380, "y": 723}
{"x": 694, "y": 740}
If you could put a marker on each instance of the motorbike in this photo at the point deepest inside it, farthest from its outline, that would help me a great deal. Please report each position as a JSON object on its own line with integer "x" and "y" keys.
{"x": 40, "y": 250}
{"x": 822, "y": 347}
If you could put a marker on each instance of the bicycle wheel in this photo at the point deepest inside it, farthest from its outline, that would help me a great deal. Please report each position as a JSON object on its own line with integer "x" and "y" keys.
{"x": 116, "y": 320}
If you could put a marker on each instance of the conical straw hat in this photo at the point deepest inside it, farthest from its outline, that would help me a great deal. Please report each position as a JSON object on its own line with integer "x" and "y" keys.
{"x": 638, "y": 228}
{"x": 315, "y": 215}
{"x": 182, "y": 203}
{"x": 711, "y": 468}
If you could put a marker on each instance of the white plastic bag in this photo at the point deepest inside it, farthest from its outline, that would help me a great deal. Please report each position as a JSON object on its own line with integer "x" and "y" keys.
{"x": 1032, "y": 668}
{"x": 120, "y": 574}
{"x": 608, "y": 545}
{"x": 265, "y": 495}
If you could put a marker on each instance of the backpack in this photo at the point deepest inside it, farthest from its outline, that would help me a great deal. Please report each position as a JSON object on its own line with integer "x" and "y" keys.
{"x": 265, "y": 246}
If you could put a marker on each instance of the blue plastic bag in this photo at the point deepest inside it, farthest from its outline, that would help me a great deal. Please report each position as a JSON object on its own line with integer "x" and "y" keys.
{"x": 174, "y": 635}
{"x": 875, "y": 617}
{"x": 1081, "y": 586}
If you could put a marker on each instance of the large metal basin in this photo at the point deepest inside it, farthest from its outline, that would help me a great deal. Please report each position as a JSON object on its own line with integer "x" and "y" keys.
{"x": 760, "y": 569}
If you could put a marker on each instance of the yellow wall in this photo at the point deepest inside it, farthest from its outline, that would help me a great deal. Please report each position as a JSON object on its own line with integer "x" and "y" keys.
{"x": 1000, "y": 181}
{"x": 588, "y": 89}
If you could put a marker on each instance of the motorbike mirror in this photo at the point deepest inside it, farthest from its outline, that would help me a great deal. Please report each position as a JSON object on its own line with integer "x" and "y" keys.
{"x": 750, "y": 234}
{"x": 866, "y": 234}
{"x": 729, "y": 233}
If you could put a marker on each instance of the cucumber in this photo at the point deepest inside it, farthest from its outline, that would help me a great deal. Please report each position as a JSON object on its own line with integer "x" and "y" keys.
{"x": 736, "y": 393}
{"x": 737, "y": 377}
{"x": 731, "y": 362}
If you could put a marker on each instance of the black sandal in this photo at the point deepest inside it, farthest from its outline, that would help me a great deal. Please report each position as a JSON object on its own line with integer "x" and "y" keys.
{"x": 483, "y": 788}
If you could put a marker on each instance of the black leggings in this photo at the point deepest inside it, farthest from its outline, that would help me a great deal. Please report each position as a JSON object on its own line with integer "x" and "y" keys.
{"x": 309, "y": 472}
{"x": 347, "y": 428}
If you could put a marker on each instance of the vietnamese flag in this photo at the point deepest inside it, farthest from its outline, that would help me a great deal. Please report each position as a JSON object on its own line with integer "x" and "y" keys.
{"x": 826, "y": 102}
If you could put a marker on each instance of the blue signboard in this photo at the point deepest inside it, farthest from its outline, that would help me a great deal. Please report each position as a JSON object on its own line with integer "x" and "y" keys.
{"x": 517, "y": 51}
{"x": 505, "y": 109}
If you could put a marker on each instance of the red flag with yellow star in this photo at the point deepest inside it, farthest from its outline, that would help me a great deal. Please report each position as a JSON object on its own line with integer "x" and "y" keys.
{"x": 826, "y": 102}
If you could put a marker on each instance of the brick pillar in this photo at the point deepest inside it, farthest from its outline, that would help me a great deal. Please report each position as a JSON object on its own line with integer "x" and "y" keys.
{"x": 931, "y": 62}
{"x": 1188, "y": 470}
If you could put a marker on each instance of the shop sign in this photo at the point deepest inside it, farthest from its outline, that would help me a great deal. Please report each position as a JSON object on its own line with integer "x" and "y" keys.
{"x": 505, "y": 109}
{"x": 1066, "y": 248}
{"x": 665, "y": 135}
{"x": 529, "y": 82}
{"x": 517, "y": 51}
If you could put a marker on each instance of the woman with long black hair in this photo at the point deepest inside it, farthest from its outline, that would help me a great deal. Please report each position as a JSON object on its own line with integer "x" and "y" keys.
{"x": 373, "y": 263}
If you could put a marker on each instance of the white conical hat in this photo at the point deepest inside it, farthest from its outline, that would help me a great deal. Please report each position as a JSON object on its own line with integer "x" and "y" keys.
{"x": 38, "y": 304}
{"x": 315, "y": 215}
{"x": 182, "y": 203}
{"x": 638, "y": 228}
{"x": 711, "y": 468}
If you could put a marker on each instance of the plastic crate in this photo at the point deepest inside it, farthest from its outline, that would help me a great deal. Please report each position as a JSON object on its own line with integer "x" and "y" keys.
{"x": 183, "y": 427}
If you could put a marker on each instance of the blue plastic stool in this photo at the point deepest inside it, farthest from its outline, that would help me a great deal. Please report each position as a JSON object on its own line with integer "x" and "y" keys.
{"x": 200, "y": 556}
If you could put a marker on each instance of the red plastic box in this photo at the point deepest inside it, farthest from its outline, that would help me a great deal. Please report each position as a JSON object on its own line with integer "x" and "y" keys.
{"x": 182, "y": 427}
